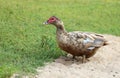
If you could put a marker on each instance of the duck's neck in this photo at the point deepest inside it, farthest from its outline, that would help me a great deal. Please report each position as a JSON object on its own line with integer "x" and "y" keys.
{"x": 60, "y": 29}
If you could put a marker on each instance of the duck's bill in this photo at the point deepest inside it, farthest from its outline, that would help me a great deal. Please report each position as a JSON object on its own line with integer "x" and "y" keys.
{"x": 45, "y": 22}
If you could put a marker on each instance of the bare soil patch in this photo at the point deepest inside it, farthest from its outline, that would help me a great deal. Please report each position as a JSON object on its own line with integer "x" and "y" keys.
{"x": 104, "y": 64}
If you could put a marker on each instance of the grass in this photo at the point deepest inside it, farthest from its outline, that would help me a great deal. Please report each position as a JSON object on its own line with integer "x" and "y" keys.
{"x": 25, "y": 43}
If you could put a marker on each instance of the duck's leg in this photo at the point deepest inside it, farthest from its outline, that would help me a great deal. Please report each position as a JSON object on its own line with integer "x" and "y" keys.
{"x": 73, "y": 57}
{"x": 84, "y": 59}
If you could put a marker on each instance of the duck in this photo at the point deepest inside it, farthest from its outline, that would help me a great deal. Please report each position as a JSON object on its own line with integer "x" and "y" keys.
{"x": 77, "y": 43}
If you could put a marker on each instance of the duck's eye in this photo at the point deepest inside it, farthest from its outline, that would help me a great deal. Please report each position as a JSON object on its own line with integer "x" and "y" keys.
{"x": 52, "y": 19}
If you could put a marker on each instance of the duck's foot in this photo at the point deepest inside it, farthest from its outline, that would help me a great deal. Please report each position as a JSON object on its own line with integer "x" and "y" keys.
{"x": 70, "y": 58}
{"x": 74, "y": 58}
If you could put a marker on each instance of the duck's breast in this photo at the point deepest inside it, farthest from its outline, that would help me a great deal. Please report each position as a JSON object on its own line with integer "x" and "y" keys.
{"x": 69, "y": 44}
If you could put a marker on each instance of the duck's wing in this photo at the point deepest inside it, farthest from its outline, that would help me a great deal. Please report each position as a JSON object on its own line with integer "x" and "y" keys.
{"x": 88, "y": 40}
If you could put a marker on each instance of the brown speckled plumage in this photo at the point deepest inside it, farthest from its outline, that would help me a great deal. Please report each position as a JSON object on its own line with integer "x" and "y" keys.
{"x": 76, "y": 43}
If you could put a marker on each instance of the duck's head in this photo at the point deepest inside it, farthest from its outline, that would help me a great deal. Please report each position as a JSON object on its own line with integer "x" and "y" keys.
{"x": 54, "y": 20}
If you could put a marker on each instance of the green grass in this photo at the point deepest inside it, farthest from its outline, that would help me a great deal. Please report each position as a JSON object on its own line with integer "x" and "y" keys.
{"x": 25, "y": 43}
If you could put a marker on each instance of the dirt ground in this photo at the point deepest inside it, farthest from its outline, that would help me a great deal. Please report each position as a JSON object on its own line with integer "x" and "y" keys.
{"x": 104, "y": 64}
